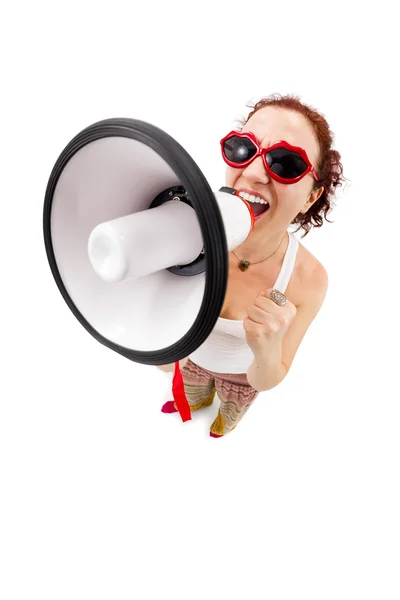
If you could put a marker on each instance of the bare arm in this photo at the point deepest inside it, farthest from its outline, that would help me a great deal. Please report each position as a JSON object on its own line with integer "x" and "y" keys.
{"x": 271, "y": 365}
{"x": 171, "y": 367}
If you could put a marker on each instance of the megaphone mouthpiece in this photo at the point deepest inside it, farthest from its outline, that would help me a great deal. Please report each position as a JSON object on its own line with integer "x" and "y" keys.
{"x": 142, "y": 243}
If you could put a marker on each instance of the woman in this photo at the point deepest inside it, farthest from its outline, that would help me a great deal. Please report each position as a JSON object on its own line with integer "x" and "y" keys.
{"x": 282, "y": 162}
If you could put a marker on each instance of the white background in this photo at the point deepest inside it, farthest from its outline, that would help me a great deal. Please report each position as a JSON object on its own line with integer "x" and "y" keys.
{"x": 102, "y": 495}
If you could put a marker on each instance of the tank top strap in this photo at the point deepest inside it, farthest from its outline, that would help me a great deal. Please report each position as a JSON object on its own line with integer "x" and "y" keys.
{"x": 288, "y": 264}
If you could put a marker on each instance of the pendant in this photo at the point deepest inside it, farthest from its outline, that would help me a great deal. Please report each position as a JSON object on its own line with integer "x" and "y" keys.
{"x": 244, "y": 265}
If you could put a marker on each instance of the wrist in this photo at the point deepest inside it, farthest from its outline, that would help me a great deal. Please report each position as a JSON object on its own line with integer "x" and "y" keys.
{"x": 270, "y": 352}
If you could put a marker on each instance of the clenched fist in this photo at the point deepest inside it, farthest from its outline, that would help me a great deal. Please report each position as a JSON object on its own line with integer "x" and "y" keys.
{"x": 266, "y": 322}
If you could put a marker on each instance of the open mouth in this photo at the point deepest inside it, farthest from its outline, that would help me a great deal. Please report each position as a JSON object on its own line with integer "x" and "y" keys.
{"x": 259, "y": 205}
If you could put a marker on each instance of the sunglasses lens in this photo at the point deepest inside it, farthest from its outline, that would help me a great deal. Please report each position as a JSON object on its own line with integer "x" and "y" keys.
{"x": 239, "y": 149}
{"x": 285, "y": 163}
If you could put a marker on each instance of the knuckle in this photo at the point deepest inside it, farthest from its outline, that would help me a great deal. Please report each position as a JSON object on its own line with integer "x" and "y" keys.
{"x": 282, "y": 319}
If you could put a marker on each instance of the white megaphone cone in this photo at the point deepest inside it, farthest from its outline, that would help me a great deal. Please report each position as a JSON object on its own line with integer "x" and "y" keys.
{"x": 138, "y": 242}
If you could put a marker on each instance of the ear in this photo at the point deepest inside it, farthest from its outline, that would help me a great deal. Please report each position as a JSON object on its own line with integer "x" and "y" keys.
{"x": 313, "y": 197}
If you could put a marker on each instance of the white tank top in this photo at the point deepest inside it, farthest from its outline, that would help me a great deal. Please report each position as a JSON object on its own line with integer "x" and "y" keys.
{"x": 226, "y": 350}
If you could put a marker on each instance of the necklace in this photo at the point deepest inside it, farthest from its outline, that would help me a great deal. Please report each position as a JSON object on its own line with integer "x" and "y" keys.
{"x": 244, "y": 264}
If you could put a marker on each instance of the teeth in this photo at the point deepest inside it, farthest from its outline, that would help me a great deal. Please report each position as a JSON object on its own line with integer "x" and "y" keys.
{"x": 252, "y": 198}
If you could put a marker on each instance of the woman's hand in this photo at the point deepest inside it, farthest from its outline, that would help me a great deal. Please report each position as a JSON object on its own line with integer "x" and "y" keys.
{"x": 267, "y": 323}
{"x": 171, "y": 367}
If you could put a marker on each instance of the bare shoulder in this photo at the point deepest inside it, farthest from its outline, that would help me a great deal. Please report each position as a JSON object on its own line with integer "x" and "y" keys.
{"x": 312, "y": 279}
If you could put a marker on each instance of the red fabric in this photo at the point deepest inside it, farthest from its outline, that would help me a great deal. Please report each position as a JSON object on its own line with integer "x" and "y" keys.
{"x": 178, "y": 392}
{"x": 169, "y": 407}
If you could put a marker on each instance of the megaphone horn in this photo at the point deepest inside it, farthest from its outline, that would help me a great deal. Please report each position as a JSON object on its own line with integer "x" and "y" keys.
{"x": 137, "y": 241}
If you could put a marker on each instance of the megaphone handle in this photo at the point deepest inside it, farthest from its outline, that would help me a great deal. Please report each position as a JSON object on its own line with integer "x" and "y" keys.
{"x": 178, "y": 392}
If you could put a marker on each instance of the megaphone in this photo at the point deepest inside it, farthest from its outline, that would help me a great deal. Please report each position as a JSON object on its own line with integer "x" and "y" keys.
{"x": 137, "y": 241}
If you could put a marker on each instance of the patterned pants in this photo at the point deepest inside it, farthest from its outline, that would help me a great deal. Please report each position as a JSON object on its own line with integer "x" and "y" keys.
{"x": 234, "y": 392}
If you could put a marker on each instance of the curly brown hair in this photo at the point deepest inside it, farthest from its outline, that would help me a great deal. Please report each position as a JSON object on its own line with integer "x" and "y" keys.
{"x": 329, "y": 167}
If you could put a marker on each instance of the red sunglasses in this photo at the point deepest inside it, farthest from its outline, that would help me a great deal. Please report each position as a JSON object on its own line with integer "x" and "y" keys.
{"x": 283, "y": 162}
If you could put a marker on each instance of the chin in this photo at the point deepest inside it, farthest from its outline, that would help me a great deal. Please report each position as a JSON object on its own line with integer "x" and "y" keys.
{"x": 271, "y": 226}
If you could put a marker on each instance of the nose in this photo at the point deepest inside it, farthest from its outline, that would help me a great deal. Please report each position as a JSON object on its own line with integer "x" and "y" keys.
{"x": 255, "y": 172}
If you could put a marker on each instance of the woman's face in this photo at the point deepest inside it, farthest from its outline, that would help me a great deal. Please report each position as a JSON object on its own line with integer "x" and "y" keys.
{"x": 269, "y": 125}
